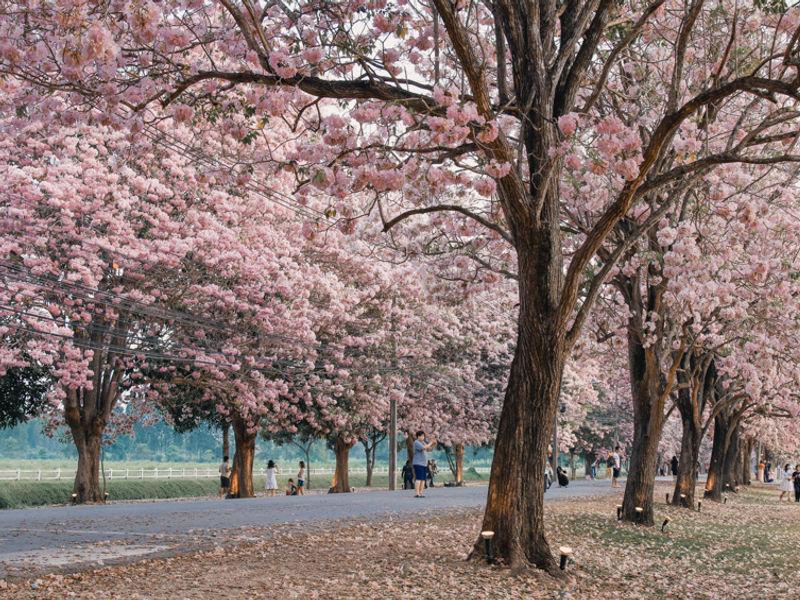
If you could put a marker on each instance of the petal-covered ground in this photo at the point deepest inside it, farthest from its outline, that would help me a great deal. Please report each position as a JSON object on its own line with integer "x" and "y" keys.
{"x": 746, "y": 548}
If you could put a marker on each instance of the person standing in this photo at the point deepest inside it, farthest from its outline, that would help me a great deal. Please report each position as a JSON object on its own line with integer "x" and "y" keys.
{"x": 272, "y": 478}
{"x": 796, "y": 483}
{"x": 408, "y": 476}
{"x": 224, "y": 477}
{"x": 616, "y": 467}
{"x": 420, "y": 462}
{"x": 760, "y": 472}
{"x": 301, "y": 479}
{"x": 595, "y": 464}
{"x": 786, "y": 483}
{"x": 674, "y": 467}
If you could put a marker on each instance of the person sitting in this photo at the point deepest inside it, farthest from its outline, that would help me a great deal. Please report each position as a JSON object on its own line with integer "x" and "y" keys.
{"x": 563, "y": 480}
{"x": 291, "y": 488}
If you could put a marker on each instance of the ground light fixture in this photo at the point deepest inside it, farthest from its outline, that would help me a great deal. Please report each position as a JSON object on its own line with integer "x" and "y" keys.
{"x": 566, "y": 554}
{"x": 639, "y": 513}
{"x": 664, "y": 525}
{"x": 724, "y": 499}
{"x": 667, "y": 495}
{"x": 619, "y": 512}
{"x": 683, "y": 499}
{"x": 487, "y": 545}
{"x": 699, "y": 505}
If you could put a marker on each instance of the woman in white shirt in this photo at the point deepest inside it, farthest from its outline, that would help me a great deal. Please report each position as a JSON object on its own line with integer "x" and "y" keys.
{"x": 786, "y": 484}
{"x": 272, "y": 478}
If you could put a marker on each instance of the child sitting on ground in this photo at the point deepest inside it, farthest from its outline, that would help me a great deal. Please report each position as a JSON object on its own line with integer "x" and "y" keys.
{"x": 291, "y": 488}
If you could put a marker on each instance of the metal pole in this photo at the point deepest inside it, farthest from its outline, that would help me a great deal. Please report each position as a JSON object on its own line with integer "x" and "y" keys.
{"x": 392, "y": 443}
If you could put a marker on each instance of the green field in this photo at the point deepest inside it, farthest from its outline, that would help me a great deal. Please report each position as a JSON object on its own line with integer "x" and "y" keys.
{"x": 19, "y": 494}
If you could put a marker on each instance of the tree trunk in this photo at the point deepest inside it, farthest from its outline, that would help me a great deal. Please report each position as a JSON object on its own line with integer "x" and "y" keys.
{"x": 747, "y": 466}
{"x": 87, "y": 476}
{"x": 242, "y": 476}
{"x": 723, "y": 434}
{"x": 515, "y": 502}
{"x": 730, "y": 465}
{"x": 86, "y": 418}
{"x": 369, "y": 452}
{"x": 572, "y": 465}
{"x": 459, "y": 452}
{"x": 691, "y": 438}
{"x": 410, "y": 446}
{"x": 226, "y": 442}
{"x": 648, "y": 421}
{"x": 341, "y": 476}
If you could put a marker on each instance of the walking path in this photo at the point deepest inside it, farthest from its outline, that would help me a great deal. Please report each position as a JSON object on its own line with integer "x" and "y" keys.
{"x": 53, "y": 538}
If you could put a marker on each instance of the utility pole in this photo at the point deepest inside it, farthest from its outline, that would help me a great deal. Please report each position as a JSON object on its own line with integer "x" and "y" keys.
{"x": 392, "y": 443}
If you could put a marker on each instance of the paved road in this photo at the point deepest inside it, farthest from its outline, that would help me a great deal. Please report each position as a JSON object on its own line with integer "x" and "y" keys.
{"x": 49, "y": 538}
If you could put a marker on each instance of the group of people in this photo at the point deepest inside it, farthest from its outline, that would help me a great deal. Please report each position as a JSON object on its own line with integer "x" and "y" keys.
{"x": 418, "y": 473}
{"x": 613, "y": 466}
{"x": 789, "y": 483}
{"x": 271, "y": 485}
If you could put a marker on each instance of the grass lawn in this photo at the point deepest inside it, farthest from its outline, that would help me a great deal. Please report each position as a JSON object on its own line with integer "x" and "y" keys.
{"x": 745, "y": 549}
{"x": 18, "y": 494}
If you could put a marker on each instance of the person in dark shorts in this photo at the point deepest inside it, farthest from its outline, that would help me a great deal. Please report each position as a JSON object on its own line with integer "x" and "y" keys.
{"x": 408, "y": 476}
{"x": 420, "y": 462}
{"x": 224, "y": 477}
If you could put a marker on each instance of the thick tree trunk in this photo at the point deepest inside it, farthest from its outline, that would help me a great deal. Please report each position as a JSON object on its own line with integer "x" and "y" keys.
{"x": 719, "y": 449}
{"x": 459, "y": 474}
{"x": 87, "y": 476}
{"x": 690, "y": 451}
{"x": 243, "y": 458}
{"x": 730, "y": 465}
{"x": 341, "y": 476}
{"x": 746, "y": 450}
{"x": 87, "y": 419}
{"x": 515, "y": 503}
{"x": 648, "y": 421}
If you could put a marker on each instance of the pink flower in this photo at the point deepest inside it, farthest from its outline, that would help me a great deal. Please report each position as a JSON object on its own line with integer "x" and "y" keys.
{"x": 485, "y": 186}
{"x": 182, "y": 113}
{"x": 313, "y": 55}
{"x": 282, "y": 65}
{"x": 568, "y": 123}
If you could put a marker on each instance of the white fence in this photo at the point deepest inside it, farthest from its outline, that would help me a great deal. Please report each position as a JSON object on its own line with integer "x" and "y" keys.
{"x": 168, "y": 473}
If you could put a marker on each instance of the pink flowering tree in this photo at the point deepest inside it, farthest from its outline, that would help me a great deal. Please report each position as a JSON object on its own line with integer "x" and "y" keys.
{"x": 483, "y": 101}
{"x": 112, "y": 280}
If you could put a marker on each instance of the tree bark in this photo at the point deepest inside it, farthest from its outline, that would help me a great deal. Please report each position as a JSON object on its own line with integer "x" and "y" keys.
{"x": 691, "y": 438}
{"x": 746, "y": 450}
{"x": 515, "y": 502}
{"x": 243, "y": 458}
{"x": 648, "y": 421}
{"x": 226, "y": 441}
{"x": 410, "y": 446}
{"x": 719, "y": 450}
{"x": 459, "y": 474}
{"x": 730, "y": 465}
{"x": 87, "y": 476}
{"x": 370, "y": 448}
{"x": 86, "y": 412}
{"x": 341, "y": 476}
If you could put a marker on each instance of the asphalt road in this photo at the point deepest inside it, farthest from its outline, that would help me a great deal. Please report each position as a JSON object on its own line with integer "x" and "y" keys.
{"x": 65, "y": 538}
